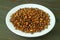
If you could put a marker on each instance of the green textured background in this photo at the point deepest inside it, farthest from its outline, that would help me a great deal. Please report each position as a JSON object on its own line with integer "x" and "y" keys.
{"x": 6, "y": 5}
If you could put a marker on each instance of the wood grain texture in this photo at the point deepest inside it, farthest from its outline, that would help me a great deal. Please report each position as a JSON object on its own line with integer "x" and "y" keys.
{"x": 6, "y": 5}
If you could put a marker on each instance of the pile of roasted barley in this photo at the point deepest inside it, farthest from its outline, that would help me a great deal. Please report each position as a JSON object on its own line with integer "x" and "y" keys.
{"x": 30, "y": 20}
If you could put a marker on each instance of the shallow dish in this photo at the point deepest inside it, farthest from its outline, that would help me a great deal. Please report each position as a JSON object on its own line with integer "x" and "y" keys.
{"x": 18, "y": 32}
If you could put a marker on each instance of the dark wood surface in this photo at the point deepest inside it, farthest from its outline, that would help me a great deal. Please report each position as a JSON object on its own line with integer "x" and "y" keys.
{"x": 6, "y": 5}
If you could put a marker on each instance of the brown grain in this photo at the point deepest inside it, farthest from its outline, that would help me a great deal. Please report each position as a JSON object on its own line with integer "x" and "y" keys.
{"x": 30, "y": 20}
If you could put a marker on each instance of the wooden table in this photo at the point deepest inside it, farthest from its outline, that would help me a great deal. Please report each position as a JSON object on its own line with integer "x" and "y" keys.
{"x": 6, "y": 5}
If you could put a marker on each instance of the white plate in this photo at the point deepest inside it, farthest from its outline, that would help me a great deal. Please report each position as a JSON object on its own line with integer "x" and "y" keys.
{"x": 43, "y": 32}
